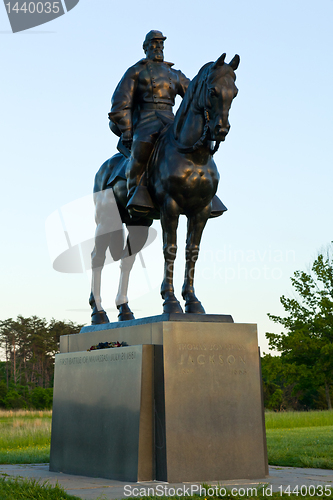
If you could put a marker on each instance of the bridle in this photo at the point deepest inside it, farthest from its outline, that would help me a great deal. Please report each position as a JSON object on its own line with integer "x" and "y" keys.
{"x": 202, "y": 141}
{"x": 204, "y": 136}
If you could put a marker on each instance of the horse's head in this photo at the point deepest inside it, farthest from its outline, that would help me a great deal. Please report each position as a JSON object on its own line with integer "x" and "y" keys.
{"x": 209, "y": 94}
{"x": 220, "y": 91}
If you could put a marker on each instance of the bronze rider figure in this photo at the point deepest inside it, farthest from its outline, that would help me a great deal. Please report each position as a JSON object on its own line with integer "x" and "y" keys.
{"x": 141, "y": 107}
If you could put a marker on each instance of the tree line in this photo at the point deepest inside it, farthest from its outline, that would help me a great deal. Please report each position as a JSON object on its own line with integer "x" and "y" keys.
{"x": 29, "y": 346}
{"x": 301, "y": 378}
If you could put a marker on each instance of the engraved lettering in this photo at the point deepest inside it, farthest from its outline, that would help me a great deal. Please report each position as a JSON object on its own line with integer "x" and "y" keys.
{"x": 211, "y": 359}
{"x": 101, "y": 358}
{"x": 181, "y": 347}
{"x": 242, "y": 359}
{"x": 201, "y": 359}
{"x": 231, "y": 359}
{"x": 192, "y": 347}
{"x": 221, "y": 360}
{"x": 181, "y": 362}
{"x": 190, "y": 360}
{"x": 184, "y": 370}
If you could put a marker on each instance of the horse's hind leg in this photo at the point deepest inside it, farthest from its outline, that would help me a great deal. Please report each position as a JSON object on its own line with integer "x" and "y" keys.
{"x": 98, "y": 314}
{"x": 136, "y": 239}
{"x": 195, "y": 227}
{"x": 126, "y": 265}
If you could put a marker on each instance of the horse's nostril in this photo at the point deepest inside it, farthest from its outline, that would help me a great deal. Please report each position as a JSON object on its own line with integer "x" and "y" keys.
{"x": 221, "y": 130}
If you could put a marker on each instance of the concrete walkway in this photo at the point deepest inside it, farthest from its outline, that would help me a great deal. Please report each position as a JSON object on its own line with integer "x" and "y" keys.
{"x": 92, "y": 488}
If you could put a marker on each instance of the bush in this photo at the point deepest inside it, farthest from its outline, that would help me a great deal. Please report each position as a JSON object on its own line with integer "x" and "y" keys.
{"x": 14, "y": 400}
{"x": 23, "y": 397}
{"x": 41, "y": 399}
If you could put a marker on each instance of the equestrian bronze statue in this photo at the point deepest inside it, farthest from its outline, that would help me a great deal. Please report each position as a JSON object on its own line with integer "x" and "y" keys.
{"x": 165, "y": 168}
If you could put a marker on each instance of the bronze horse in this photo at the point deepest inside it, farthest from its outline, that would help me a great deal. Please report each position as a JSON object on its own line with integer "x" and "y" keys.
{"x": 182, "y": 179}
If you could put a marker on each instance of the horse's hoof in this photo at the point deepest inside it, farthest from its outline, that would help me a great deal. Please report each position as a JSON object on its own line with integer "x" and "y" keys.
{"x": 194, "y": 307}
{"x": 125, "y": 314}
{"x": 172, "y": 307}
{"x": 99, "y": 317}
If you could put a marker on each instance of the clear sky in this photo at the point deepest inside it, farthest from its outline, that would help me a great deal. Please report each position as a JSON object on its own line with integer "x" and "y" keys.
{"x": 275, "y": 165}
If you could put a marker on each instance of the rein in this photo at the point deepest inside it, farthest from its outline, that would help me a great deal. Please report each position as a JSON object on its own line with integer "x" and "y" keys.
{"x": 200, "y": 142}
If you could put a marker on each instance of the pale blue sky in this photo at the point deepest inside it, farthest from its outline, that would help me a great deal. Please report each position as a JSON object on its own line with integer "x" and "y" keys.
{"x": 275, "y": 165}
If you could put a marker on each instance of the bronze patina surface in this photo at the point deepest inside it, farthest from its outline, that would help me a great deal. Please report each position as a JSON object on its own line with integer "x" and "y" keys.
{"x": 165, "y": 168}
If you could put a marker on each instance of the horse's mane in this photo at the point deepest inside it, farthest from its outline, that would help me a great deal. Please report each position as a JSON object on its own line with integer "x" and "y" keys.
{"x": 194, "y": 90}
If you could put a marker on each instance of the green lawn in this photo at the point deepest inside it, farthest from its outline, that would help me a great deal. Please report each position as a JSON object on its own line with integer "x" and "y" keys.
{"x": 292, "y": 419}
{"x": 300, "y": 439}
{"x": 25, "y": 436}
{"x": 294, "y": 439}
{"x": 29, "y": 489}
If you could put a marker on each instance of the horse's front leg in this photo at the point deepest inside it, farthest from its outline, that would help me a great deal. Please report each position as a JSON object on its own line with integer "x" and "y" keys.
{"x": 195, "y": 227}
{"x": 169, "y": 222}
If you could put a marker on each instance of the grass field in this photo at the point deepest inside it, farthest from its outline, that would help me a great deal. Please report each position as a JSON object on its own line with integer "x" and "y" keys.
{"x": 300, "y": 439}
{"x": 294, "y": 439}
{"x": 25, "y": 436}
{"x": 29, "y": 489}
{"x": 292, "y": 419}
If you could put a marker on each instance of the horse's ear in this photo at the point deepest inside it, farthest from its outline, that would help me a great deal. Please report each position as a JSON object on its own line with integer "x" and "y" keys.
{"x": 234, "y": 63}
{"x": 220, "y": 61}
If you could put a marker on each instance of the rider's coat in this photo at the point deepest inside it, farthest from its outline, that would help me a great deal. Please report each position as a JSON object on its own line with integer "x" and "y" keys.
{"x": 142, "y": 102}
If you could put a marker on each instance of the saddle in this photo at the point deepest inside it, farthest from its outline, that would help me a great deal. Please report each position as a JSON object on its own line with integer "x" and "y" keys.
{"x": 141, "y": 202}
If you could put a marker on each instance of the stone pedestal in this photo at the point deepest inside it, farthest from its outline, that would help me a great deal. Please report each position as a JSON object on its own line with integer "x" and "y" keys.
{"x": 102, "y": 423}
{"x": 182, "y": 403}
{"x": 214, "y": 422}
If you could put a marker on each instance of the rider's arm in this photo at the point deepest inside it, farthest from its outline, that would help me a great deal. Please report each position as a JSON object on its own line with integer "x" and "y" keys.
{"x": 183, "y": 83}
{"x": 122, "y": 102}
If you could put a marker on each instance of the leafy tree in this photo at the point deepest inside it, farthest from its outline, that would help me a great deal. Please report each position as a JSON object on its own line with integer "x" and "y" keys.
{"x": 30, "y": 345}
{"x": 3, "y": 392}
{"x": 307, "y": 345}
{"x": 273, "y": 377}
{"x": 41, "y": 398}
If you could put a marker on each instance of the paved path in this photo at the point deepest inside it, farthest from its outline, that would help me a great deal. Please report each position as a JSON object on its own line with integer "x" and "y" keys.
{"x": 92, "y": 488}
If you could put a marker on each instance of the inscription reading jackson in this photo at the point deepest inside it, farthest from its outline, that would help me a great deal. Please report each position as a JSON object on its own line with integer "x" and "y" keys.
{"x": 212, "y": 359}
{"x": 98, "y": 359}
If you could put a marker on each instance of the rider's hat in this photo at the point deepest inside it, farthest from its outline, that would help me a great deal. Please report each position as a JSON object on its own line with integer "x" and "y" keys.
{"x": 153, "y": 35}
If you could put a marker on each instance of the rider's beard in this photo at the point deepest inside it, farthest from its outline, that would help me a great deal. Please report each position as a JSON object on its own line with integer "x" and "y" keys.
{"x": 158, "y": 55}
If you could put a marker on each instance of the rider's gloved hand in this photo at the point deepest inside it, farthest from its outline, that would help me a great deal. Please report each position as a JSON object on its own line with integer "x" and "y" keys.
{"x": 127, "y": 139}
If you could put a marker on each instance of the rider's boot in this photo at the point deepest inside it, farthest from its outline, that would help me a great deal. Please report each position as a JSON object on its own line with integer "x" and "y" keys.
{"x": 139, "y": 202}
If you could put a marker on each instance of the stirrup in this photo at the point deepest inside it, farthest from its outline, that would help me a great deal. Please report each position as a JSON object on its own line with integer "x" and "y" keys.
{"x": 217, "y": 207}
{"x": 141, "y": 201}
